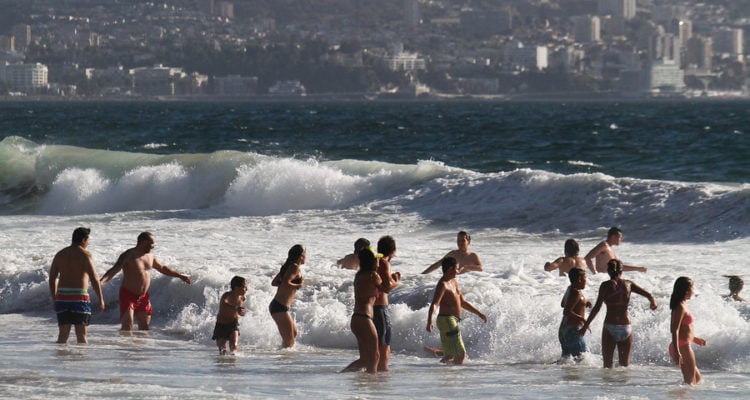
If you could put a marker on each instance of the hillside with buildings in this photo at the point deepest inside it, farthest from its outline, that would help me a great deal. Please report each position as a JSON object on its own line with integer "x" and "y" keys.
{"x": 211, "y": 49}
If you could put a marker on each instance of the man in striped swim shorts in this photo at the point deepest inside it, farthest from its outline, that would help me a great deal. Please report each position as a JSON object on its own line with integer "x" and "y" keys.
{"x": 69, "y": 276}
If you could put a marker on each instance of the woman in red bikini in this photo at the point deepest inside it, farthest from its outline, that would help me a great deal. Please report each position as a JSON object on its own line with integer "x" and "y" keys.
{"x": 682, "y": 331}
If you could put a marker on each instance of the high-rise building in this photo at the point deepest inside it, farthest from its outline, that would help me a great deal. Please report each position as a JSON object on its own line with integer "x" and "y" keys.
{"x": 22, "y": 35}
{"x": 699, "y": 52}
{"x": 625, "y": 9}
{"x": 684, "y": 30}
{"x": 224, "y": 9}
{"x": 411, "y": 14}
{"x": 664, "y": 46}
{"x": 729, "y": 41}
{"x": 587, "y": 28}
{"x": 7, "y": 43}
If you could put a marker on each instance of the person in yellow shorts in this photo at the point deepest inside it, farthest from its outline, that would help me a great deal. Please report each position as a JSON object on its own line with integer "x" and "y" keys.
{"x": 450, "y": 301}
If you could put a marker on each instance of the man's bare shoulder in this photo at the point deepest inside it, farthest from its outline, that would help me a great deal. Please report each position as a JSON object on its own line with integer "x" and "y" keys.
{"x": 73, "y": 251}
{"x": 450, "y": 284}
{"x": 128, "y": 254}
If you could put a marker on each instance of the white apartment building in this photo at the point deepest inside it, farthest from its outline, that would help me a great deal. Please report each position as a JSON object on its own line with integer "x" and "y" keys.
{"x": 665, "y": 76}
{"x": 519, "y": 56}
{"x": 400, "y": 60}
{"x": 27, "y": 78}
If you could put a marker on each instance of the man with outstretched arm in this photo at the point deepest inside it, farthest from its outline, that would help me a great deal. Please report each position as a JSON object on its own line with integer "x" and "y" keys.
{"x": 136, "y": 265}
{"x": 468, "y": 260}
{"x": 603, "y": 253}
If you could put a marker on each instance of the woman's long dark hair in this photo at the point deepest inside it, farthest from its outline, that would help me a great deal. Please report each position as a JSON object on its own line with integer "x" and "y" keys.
{"x": 614, "y": 268}
{"x": 292, "y": 257}
{"x": 681, "y": 286}
{"x": 571, "y": 248}
{"x": 367, "y": 260}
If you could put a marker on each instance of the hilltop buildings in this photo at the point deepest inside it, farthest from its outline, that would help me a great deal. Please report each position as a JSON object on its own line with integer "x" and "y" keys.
{"x": 516, "y": 47}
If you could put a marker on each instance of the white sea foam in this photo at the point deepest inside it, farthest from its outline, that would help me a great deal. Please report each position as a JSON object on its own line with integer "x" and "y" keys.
{"x": 154, "y": 146}
{"x": 229, "y": 213}
{"x": 520, "y": 299}
{"x": 422, "y": 206}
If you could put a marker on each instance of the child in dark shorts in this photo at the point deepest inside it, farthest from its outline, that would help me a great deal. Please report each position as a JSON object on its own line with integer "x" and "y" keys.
{"x": 227, "y": 329}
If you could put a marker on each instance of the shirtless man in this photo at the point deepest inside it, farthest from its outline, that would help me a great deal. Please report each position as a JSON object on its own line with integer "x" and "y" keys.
{"x": 603, "y": 252}
{"x": 351, "y": 261}
{"x": 381, "y": 313}
{"x": 569, "y": 261}
{"x": 136, "y": 265}
{"x": 468, "y": 260}
{"x": 69, "y": 277}
{"x": 449, "y": 299}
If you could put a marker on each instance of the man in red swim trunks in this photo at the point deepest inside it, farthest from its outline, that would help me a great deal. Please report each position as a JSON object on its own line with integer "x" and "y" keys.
{"x": 136, "y": 265}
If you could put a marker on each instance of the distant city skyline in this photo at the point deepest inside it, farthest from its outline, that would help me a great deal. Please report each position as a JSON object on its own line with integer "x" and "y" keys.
{"x": 402, "y": 48}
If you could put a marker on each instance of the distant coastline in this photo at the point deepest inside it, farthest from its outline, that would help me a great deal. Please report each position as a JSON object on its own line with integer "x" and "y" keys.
{"x": 365, "y": 97}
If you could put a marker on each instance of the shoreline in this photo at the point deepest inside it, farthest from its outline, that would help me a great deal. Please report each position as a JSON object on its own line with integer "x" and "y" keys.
{"x": 557, "y": 97}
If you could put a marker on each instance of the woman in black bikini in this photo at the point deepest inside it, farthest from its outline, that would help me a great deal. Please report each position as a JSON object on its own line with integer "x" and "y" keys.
{"x": 288, "y": 280}
{"x": 366, "y": 290}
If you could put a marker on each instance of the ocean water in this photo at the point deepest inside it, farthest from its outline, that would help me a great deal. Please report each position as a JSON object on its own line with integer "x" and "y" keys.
{"x": 227, "y": 188}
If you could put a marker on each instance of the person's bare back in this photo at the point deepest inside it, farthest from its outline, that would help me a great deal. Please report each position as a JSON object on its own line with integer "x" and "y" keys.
{"x": 73, "y": 264}
{"x": 70, "y": 273}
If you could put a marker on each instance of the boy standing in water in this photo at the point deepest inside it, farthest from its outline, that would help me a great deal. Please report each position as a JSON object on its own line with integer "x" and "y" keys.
{"x": 381, "y": 312}
{"x": 574, "y": 315}
{"x": 227, "y": 329}
{"x": 450, "y": 300}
